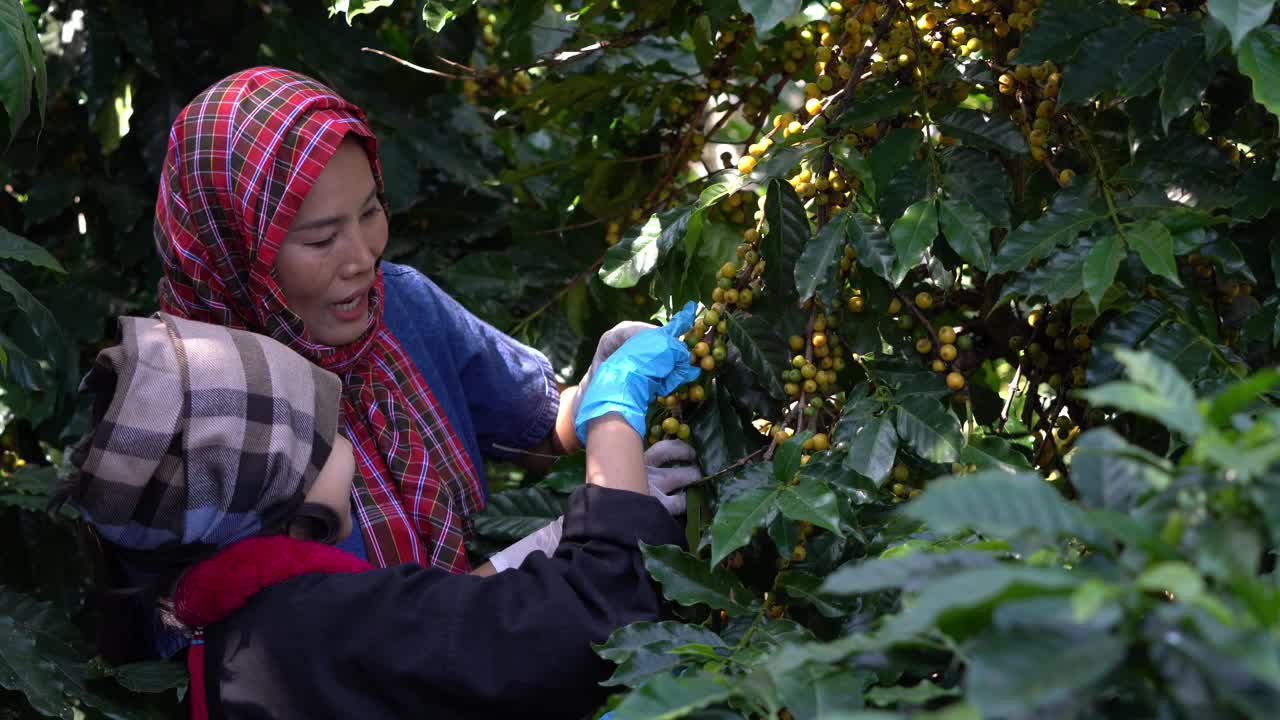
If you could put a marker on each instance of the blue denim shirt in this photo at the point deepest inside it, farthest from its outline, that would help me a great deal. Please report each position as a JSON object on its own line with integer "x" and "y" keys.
{"x": 496, "y": 392}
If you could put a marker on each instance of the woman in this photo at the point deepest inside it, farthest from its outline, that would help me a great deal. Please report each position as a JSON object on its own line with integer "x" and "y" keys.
{"x": 271, "y": 218}
{"x": 215, "y": 463}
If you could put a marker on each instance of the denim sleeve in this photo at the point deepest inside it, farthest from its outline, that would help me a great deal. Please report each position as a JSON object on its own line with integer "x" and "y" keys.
{"x": 508, "y": 388}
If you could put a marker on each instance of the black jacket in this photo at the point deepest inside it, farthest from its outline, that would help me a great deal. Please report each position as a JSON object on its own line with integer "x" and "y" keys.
{"x": 409, "y": 641}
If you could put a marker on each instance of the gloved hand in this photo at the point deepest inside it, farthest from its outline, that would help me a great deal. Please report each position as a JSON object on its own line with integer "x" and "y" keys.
{"x": 652, "y": 362}
{"x": 609, "y": 342}
{"x": 665, "y": 483}
{"x": 544, "y": 540}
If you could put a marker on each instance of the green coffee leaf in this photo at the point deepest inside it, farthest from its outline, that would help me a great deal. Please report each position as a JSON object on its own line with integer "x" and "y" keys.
{"x": 817, "y": 268}
{"x": 1062, "y": 26}
{"x": 993, "y": 452}
{"x": 806, "y": 587}
{"x": 912, "y": 695}
{"x": 817, "y": 691}
{"x": 786, "y": 458}
{"x": 1096, "y": 69}
{"x": 913, "y": 235}
{"x": 643, "y": 247}
{"x": 15, "y": 247}
{"x": 967, "y": 231}
{"x": 1178, "y": 578}
{"x": 688, "y": 580}
{"x": 769, "y": 13}
{"x": 1259, "y": 60}
{"x": 642, "y": 650}
{"x": 873, "y": 444}
{"x": 1014, "y": 672}
{"x": 1156, "y": 249}
{"x": 43, "y": 658}
{"x": 1159, "y": 392}
{"x": 996, "y": 504}
{"x": 1239, "y": 395}
{"x": 437, "y": 13}
{"x": 24, "y": 66}
{"x": 1058, "y": 278}
{"x": 1071, "y": 213}
{"x": 1108, "y": 472}
{"x": 975, "y": 587}
{"x": 989, "y": 131}
{"x": 1186, "y": 77}
{"x": 873, "y": 245}
{"x": 716, "y": 430}
{"x": 812, "y": 501}
{"x": 1142, "y": 69}
{"x": 905, "y": 572}
{"x": 1240, "y": 17}
{"x": 669, "y": 696}
{"x": 761, "y": 347}
{"x": 929, "y": 429}
{"x": 511, "y": 515}
{"x": 974, "y": 176}
{"x": 1101, "y": 266}
{"x": 735, "y": 521}
{"x": 787, "y": 235}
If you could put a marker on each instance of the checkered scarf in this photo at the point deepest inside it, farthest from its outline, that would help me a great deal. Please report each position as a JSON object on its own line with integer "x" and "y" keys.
{"x": 207, "y": 435}
{"x": 242, "y": 156}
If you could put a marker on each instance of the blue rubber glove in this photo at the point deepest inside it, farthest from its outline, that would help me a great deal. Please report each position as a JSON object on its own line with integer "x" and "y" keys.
{"x": 652, "y": 362}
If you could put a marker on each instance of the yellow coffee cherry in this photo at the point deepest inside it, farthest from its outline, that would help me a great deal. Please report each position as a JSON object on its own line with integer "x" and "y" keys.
{"x": 670, "y": 426}
{"x": 947, "y": 336}
{"x": 955, "y": 380}
{"x": 924, "y": 346}
{"x": 746, "y": 164}
{"x": 947, "y": 352}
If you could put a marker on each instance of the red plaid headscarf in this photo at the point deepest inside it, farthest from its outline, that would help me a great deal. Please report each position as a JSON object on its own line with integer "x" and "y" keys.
{"x": 242, "y": 156}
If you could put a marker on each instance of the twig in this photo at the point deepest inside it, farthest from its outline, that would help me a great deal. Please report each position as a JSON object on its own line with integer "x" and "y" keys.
{"x": 1013, "y": 391}
{"x": 565, "y": 228}
{"x": 524, "y": 322}
{"x": 845, "y": 96}
{"x": 738, "y": 464}
{"x": 773, "y": 100}
{"x": 406, "y": 63}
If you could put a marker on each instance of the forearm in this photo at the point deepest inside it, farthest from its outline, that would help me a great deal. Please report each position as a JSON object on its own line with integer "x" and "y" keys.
{"x": 562, "y": 440}
{"x": 615, "y": 455}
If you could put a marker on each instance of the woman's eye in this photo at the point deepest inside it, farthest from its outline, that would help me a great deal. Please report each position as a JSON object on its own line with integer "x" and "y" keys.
{"x": 374, "y": 210}
{"x": 322, "y": 243}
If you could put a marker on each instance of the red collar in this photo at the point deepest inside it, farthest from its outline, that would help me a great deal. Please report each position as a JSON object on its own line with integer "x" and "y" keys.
{"x": 217, "y": 587}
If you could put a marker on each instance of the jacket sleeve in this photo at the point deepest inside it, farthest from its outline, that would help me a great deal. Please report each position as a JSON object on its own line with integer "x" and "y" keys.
{"x": 414, "y": 642}
{"x": 508, "y": 388}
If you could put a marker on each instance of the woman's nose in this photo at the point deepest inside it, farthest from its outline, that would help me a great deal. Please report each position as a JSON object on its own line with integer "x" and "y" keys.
{"x": 358, "y": 254}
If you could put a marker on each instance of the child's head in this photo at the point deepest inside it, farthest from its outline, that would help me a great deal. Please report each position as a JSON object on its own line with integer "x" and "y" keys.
{"x": 206, "y": 435}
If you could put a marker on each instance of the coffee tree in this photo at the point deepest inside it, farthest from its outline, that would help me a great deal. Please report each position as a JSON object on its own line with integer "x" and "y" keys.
{"x": 989, "y": 320}
{"x": 988, "y": 324}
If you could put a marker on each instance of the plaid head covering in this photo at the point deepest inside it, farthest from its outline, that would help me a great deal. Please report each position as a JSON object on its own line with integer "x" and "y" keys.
{"x": 242, "y": 156}
{"x": 207, "y": 435}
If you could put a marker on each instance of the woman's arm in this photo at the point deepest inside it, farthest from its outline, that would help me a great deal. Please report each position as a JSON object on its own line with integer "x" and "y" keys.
{"x": 615, "y": 459}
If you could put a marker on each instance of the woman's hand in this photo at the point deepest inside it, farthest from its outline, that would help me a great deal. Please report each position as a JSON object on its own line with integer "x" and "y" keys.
{"x": 652, "y": 362}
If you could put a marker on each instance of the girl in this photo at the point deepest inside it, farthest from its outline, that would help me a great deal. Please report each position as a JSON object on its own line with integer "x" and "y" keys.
{"x": 216, "y": 464}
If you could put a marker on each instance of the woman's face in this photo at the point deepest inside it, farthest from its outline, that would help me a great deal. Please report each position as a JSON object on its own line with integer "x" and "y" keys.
{"x": 326, "y": 265}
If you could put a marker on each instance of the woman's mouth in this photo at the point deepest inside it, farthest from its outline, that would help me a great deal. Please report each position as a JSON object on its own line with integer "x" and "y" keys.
{"x": 349, "y": 305}
{"x": 351, "y": 309}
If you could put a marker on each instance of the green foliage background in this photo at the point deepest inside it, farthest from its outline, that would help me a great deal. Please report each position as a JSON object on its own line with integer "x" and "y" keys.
{"x": 1086, "y": 529}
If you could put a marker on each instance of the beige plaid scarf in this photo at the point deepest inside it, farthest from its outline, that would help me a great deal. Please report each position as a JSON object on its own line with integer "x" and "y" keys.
{"x": 207, "y": 435}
